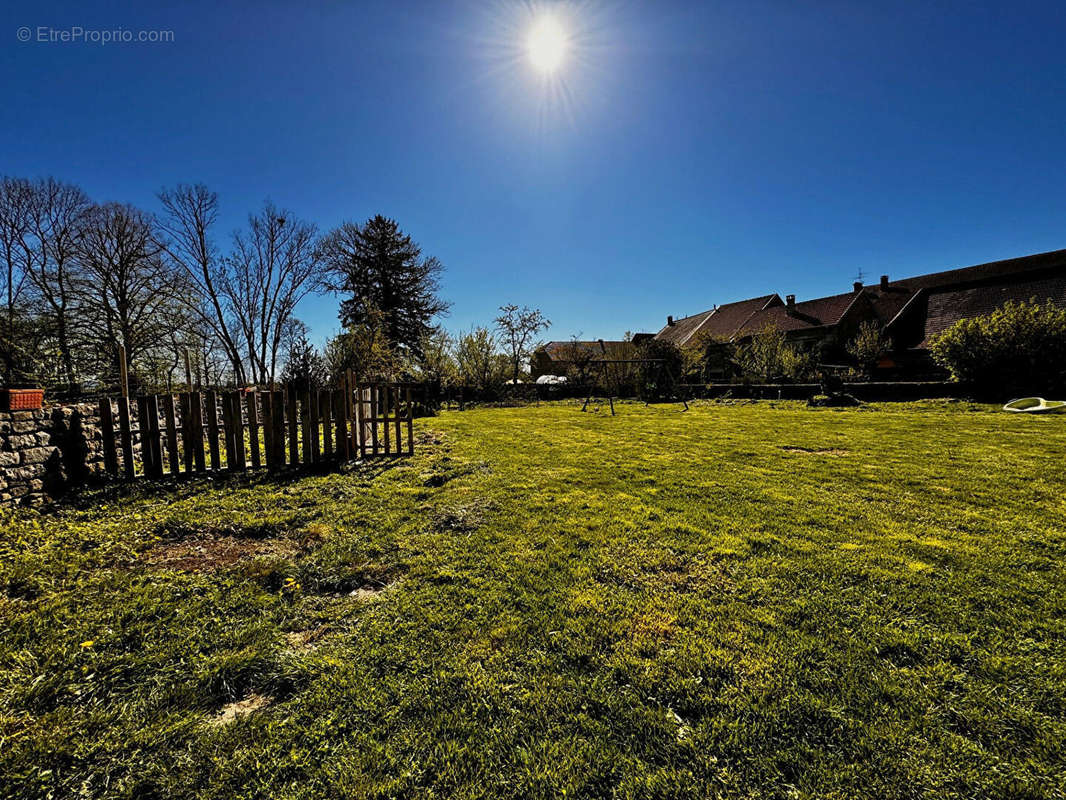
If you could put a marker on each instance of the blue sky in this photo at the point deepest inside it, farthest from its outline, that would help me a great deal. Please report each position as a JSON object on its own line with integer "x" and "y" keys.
{"x": 685, "y": 154}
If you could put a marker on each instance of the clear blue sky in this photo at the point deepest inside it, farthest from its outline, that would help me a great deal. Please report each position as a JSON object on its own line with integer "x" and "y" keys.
{"x": 686, "y": 153}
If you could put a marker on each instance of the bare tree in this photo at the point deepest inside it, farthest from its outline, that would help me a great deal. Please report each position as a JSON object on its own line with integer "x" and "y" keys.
{"x": 273, "y": 266}
{"x": 191, "y": 213}
{"x": 15, "y": 204}
{"x": 57, "y": 217}
{"x": 517, "y": 328}
{"x": 127, "y": 287}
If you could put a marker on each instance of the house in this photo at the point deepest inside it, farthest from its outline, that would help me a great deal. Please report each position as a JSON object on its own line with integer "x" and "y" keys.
{"x": 561, "y": 358}
{"x": 910, "y": 311}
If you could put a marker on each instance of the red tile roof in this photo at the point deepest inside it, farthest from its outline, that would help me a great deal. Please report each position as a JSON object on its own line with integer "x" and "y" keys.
{"x": 564, "y": 351}
{"x": 720, "y": 322}
{"x": 808, "y": 314}
{"x": 947, "y": 306}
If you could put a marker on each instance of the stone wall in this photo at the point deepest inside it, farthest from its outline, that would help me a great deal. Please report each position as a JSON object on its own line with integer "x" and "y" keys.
{"x": 45, "y": 452}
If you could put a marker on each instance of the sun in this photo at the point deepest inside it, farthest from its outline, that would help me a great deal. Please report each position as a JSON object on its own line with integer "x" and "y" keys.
{"x": 547, "y": 44}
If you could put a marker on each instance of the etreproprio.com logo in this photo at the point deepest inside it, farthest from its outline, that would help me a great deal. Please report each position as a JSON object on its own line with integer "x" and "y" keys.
{"x": 76, "y": 34}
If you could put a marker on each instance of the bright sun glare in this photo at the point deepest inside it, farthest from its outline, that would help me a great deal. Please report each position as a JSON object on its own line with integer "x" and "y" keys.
{"x": 547, "y": 44}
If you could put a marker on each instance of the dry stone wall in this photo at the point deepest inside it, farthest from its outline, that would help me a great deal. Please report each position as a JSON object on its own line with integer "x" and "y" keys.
{"x": 44, "y": 452}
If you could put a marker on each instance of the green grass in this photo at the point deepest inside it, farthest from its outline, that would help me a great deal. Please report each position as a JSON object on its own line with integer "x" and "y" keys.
{"x": 745, "y": 601}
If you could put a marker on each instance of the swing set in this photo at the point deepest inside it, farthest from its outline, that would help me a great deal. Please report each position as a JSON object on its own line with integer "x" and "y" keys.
{"x": 662, "y": 369}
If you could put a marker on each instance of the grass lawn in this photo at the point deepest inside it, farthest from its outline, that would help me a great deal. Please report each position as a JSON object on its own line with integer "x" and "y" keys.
{"x": 744, "y": 601}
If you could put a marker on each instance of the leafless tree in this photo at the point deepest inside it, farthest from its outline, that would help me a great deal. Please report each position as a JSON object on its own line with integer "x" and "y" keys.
{"x": 517, "y": 328}
{"x": 188, "y": 225}
{"x": 127, "y": 288}
{"x": 57, "y": 217}
{"x": 15, "y": 204}
{"x": 272, "y": 267}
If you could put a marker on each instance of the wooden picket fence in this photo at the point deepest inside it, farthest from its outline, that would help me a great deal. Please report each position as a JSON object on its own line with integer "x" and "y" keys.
{"x": 198, "y": 433}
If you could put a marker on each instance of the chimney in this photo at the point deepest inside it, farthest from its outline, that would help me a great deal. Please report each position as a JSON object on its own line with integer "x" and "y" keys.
{"x": 884, "y": 282}
{"x": 857, "y": 286}
{"x": 790, "y": 300}
{"x": 669, "y": 320}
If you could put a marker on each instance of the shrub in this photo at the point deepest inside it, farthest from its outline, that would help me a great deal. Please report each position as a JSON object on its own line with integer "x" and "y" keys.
{"x": 769, "y": 356}
{"x": 659, "y": 381}
{"x": 1017, "y": 349}
{"x": 868, "y": 345}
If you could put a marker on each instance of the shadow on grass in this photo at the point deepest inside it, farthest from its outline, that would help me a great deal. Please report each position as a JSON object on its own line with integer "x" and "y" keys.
{"x": 183, "y": 486}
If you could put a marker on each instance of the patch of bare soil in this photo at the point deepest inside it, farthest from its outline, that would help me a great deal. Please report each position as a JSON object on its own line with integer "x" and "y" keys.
{"x": 305, "y": 640}
{"x": 430, "y": 438}
{"x": 814, "y": 451}
{"x": 208, "y": 555}
{"x": 459, "y": 519}
{"x": 240, "y": 708}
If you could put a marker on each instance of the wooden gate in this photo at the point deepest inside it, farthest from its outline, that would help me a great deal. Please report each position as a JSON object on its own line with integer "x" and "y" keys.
{"x": 194, "y": 433}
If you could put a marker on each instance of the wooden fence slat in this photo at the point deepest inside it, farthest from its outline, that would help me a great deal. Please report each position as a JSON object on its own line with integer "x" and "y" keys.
{"x": 227, "y": 428}
{"x": 172, "y": 435}
{"x": 187, "y": 447}
{"x": 399, "y": 436}
{"x": 155, "y": 436}
{"x": 142, "y": 427}
{"x": 211, "y": 410}
{"x": 374, "y": 411}
{"x": 237, "y": 422}
{"x": 278, "y": 421}
{"x": 126, "y": 432}
{"x": 386, "y": 399}
{"x": 339, "y": 412}
{"x": 107, "y": 434}
{"x": 253, "y": 428}
{"x": 268, "y": 429}
{"x": 196, "y": 400}
{"x": 293, "y": 420}
{"x": 358, "y": 427}
{"x": 410, "y": 424}
{"x": 325, "y": 409}
{"x": 313, "y": 414}
{"x": 305, "y": 422}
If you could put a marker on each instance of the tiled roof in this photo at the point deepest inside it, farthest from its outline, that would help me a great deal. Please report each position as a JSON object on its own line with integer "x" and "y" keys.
{"x": 721, "y": 322}
{"x": 564, "y": 351}
{"x": 808, "y": 314}
{"x": 1010, "y": 267}
{"x": 945, "y": 307}
{"x": 683, "y": 329}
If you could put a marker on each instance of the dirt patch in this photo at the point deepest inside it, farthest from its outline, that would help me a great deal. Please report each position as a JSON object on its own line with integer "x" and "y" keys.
{"x": 430, "y": 438}
{"x": 459, "y": 519}
{"x": 364, "y": 593}
{"x": 815, "y": 451}
{"x": 305, "y": 640}
{"x": 240, "y": 708}
{"x": 208, "y": 555}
